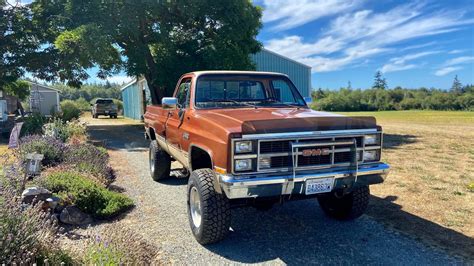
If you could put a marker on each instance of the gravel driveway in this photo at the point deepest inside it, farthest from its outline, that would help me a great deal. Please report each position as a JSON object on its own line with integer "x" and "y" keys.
{"x": 293, "y": 233}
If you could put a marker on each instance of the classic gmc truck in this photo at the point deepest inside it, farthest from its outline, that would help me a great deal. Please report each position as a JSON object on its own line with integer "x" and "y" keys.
{"x": 249, "y": 139}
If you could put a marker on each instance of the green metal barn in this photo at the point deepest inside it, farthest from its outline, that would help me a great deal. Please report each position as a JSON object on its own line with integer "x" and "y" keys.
{"x": 135, "y": 94}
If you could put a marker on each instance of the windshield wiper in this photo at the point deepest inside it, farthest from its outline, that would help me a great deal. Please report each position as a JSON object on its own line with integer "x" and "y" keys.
{"x": 271, "y": 100}
{"x": 236, "y": 102}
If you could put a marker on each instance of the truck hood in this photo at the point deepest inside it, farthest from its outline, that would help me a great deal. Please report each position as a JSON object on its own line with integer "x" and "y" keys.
{"x": 273, "y": 120}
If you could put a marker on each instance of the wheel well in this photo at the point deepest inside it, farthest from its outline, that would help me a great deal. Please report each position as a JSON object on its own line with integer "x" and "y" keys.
{"x": 151, "y": 133}
{"x": 200, "y": 159}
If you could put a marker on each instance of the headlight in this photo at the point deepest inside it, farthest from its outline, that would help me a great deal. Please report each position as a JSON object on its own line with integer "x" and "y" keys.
{"x": 371, "y": 139}
{"x": 243, "y": 165}
{"x": 243, "y": 146}
{"x": 371, "y": 155}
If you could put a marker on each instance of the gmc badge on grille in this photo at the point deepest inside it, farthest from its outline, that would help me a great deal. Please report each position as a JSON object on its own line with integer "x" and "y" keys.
{"x": 315, "y": 152}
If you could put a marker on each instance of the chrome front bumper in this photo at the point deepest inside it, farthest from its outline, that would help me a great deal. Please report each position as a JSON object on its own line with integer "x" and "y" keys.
{"x": 236, "y": 187}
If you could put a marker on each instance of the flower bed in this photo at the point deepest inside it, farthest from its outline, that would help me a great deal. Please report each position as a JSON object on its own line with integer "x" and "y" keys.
{"x": 75, "y": 175}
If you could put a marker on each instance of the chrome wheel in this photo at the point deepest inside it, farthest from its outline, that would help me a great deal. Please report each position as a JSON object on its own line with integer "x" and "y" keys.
{"x": 195, "y": 206}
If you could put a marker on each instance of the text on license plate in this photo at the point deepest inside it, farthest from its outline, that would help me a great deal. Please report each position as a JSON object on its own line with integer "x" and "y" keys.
{"x": 320, "y": 185}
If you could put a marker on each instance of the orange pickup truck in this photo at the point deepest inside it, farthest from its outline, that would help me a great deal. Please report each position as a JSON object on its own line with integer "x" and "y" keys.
{"x": 249, "y": 139}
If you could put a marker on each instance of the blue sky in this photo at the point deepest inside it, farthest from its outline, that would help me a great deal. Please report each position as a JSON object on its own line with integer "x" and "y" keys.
{"x": 414, "y": 43}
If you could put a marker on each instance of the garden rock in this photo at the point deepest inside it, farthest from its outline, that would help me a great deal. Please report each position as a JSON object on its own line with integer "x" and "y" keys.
{"x": 72, "y": 215}
{"x": 29, "y": 194}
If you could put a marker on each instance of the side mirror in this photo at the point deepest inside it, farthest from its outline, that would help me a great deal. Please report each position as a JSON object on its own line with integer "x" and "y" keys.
{"x": 308, "y": 100}
{"x": 169, "y": 103}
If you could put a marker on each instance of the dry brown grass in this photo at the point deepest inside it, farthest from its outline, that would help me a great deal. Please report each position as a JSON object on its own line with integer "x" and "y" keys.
{"x": 430, "y": 190}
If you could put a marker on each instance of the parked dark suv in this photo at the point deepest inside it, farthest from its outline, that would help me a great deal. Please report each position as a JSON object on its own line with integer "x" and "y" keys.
{"x": 104, "y": 107}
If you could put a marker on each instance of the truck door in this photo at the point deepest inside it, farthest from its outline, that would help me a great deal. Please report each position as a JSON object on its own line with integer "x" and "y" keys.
{"x": 174, "y": 131}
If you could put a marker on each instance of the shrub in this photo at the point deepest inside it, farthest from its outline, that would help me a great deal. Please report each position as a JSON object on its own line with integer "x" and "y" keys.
{"x": 59, "y": 129}
{"x": 83, "y": 104}
{"x": 87, "y": 195}
{"x": 70, "y": 110}
{"x": 52, "y": 149}
{"x": 119, "y": 104}
{"x": 90, "y": 160}
{"x": 113, "y": 248}
{"x": 33, "y": 124}
{"x": 27, "y": 234}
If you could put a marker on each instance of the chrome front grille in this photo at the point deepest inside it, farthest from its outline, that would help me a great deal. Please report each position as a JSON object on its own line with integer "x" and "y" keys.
{"x": 285, "y": 152}
{"x": 341, "y": 151}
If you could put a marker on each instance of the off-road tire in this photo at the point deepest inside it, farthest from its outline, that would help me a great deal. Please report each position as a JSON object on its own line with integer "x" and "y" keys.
{"x": 215, "y": 208}
{"x": 347, "y": 207}
{"x": 95, "y": 116}
{"x": 160, "y": 162}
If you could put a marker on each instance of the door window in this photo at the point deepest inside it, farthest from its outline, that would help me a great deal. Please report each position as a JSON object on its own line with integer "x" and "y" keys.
{"x": 183, "y": 93}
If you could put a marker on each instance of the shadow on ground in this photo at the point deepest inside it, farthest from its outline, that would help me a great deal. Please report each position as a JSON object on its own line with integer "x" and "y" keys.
{"x": 391, "y": 214}
{"x": 393, "y": 141}
{"x": 120, "y": 137}
{"x": 298, "y": 232}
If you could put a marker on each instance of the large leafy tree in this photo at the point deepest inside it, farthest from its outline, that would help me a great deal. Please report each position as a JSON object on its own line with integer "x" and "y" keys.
{"x": 157, "y": 39}
{"x": 15, "y": 43}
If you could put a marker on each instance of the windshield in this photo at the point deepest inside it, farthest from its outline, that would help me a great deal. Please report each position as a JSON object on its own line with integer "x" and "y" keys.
{"x": 104, "y": 102}
{"x": 230, "y": 91}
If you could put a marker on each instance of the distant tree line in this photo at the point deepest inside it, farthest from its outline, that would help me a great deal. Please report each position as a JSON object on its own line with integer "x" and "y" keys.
{"x": 380, "y": 98}
{"x": 89, "y": 92}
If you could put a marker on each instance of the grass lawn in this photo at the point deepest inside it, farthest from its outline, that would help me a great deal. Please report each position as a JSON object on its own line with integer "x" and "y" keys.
{"x": 432, "y": 178}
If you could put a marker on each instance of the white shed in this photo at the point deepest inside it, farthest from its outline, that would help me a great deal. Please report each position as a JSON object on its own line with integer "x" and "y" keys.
{"x": 43, "y": 99}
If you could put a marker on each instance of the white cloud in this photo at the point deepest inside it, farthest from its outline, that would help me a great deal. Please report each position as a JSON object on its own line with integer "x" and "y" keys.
{"x": 456, "y": 51}
{"x": 453, "y": 64}
{"x": 356, "y": 36}
{"x": 288, "y": 14}
{"x": 418, "y": 46}
{"x": 119, "y": 79}
{"x": 399, "y": 63}
{"x": 459, "y": 60}
{"x": 403, "y": 59}
{"x": 395, "y": 67}
{"x": 293, "y": 46}
{"x": 446, "y": 70}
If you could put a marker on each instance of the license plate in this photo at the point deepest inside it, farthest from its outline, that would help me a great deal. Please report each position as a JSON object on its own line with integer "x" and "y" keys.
{"x": 320, "y": 185}
{"x": 106, "y": 112}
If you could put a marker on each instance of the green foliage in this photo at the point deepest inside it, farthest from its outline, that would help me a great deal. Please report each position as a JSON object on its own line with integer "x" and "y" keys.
{"x": 16, "y": 46}
{"x": 379, "y": 81}
{"x": 92, "y": 161}
{"x": 27, "y": 233}
{"x": 89, "y": 91}
{"x": 392, "y": 99}
{"x": 159, "y": 40}
{"x": 33, "y": 124}
{"x": 83, "y": 104}
{"x": 103, "y": 254}
{"x": 59, "y": 129}
{"x": 19, "y": 88}
{"x": 88, "y": 195}
{"x": 52, "y": 149}
{"x": 119, "y": 104}
{"x": 70, "y": 110}
{"x": 457, "y": 86}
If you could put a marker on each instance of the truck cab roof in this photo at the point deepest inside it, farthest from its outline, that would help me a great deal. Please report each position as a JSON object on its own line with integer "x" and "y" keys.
{"x": 233, "y": 72}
